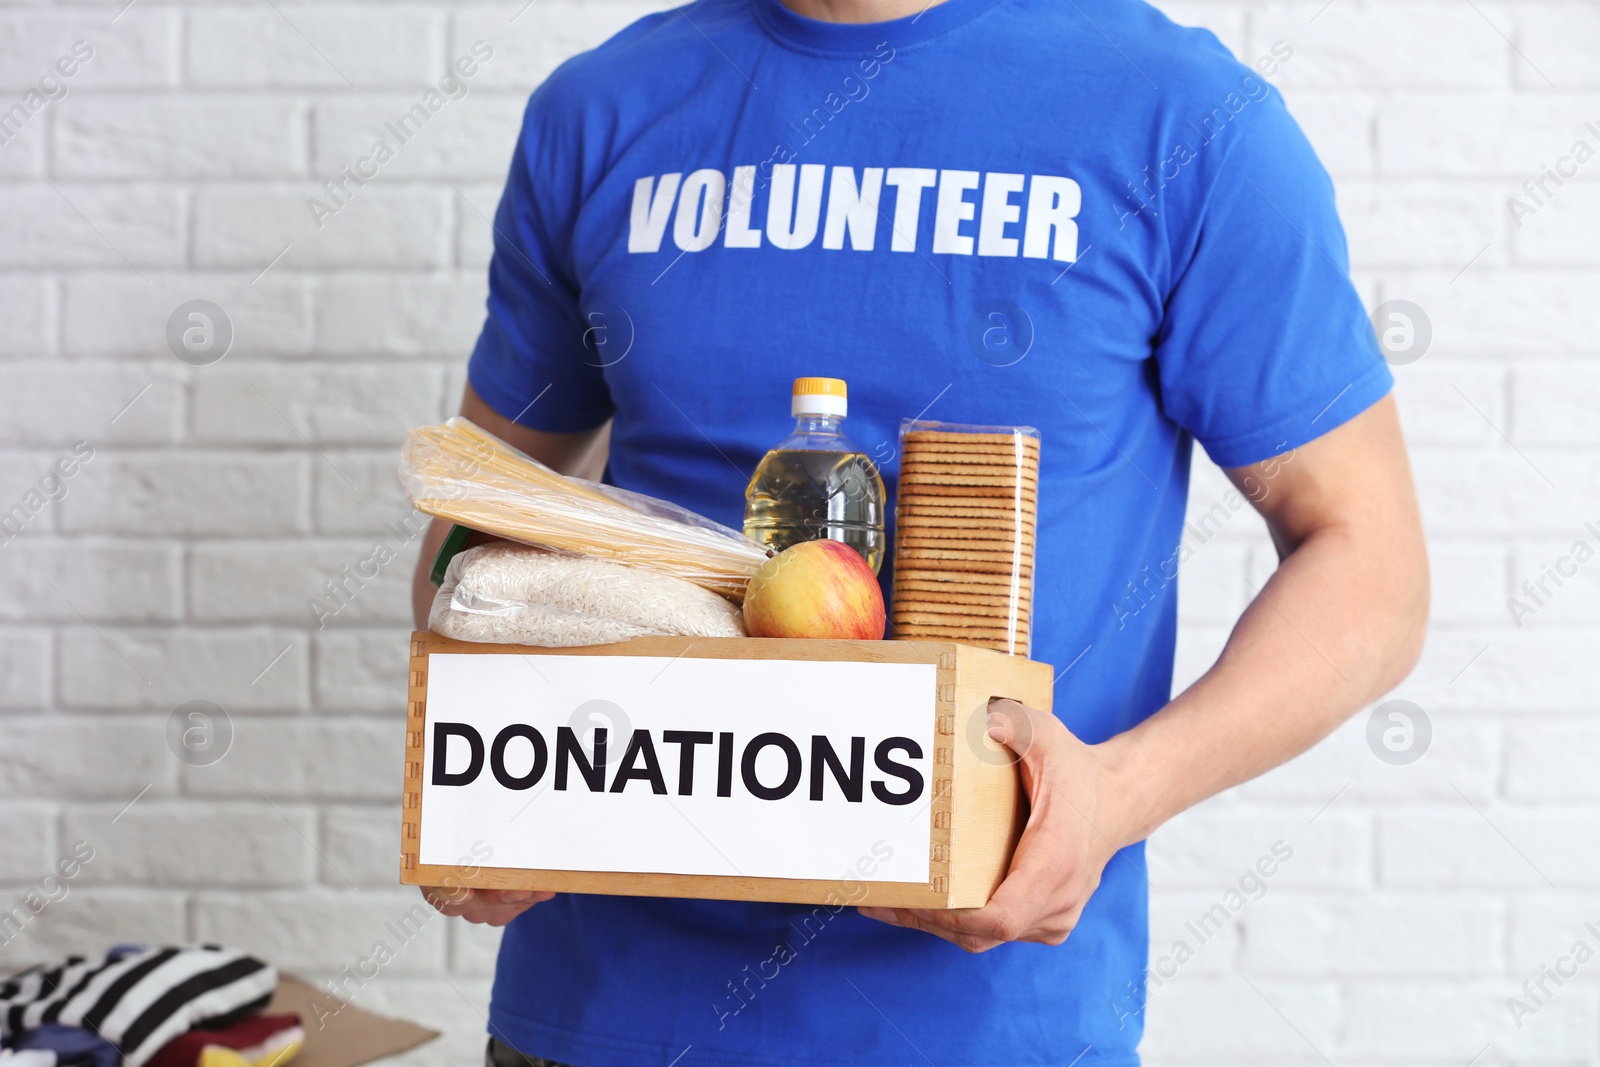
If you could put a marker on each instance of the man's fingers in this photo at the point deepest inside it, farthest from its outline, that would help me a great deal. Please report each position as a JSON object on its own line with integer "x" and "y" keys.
{"x": 1006, "y": 918}
{"x": 493, "y": 913}
{"x": 496, "y": 915}
{"x": 988, "y": 923}
{"x": 448, "y": 900}
{"x": 957, "y": 927}
{"x": 1025, "y": 731}
{"x": 1009, "y": 723}
{"x": 912, "y": 920}
{"x": 524, "y": 896}
{"x": 496, "y": 907}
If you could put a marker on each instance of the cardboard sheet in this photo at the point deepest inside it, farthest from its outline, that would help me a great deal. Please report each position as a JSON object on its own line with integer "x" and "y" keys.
{"x": 339, "y": 1034}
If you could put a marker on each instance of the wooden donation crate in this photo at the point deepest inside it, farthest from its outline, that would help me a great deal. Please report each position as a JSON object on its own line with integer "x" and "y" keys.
{"x": 815, "y": 772}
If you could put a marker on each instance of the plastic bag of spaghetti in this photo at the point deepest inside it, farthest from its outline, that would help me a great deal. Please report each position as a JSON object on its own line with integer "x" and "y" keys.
{"x": 519, "y": 595}
{"x": 459, "y": 472}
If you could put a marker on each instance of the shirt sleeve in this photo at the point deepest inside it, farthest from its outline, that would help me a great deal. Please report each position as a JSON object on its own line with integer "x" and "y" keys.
{"x": 1265, "y": 344}
{"x": 530, "y": 363}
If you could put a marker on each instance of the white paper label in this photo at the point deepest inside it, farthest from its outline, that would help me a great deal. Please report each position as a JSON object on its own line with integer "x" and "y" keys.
{"x": 761, "y": 768}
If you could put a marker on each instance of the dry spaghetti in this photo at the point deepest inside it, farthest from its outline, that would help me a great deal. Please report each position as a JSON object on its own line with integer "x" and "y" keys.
{"x": 459, "y": 472}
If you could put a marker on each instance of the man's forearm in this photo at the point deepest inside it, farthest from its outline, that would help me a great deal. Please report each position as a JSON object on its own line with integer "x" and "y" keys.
{"x": 1339, "y": 623}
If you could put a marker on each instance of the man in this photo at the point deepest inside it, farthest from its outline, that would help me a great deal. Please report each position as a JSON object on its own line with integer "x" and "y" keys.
{"x": 1072, "y": 215}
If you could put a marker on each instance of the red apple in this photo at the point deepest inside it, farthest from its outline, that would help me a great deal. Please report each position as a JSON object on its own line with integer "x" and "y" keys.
{"x": 815, "y": 589}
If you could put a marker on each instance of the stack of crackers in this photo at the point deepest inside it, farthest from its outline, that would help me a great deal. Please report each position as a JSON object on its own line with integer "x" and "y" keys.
{"x": 964, "y": 539}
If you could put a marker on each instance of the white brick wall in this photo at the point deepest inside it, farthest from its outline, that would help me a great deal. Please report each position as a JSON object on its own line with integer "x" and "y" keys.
{"x": 1418, "y": 898}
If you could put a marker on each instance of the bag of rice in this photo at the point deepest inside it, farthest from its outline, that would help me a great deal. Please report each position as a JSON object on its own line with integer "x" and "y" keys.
{"x": 519, "y": 595}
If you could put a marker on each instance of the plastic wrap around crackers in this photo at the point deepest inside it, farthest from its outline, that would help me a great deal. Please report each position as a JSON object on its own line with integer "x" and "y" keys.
{"x": 966, "y": 521}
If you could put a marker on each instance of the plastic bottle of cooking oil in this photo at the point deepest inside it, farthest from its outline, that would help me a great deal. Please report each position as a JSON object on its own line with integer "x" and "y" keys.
{"x": 816, "y": 483}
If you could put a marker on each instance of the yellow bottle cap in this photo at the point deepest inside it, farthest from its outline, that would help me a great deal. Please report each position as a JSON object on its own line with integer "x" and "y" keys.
{"x": 819, "y": 396}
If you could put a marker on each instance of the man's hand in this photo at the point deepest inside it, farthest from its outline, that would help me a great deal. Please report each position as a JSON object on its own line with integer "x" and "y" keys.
{"x": 495, "y": 907}
{"x": 1069, "y": 839}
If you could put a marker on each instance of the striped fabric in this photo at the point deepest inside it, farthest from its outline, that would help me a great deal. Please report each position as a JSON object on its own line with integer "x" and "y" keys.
{"x": 139, "y": 1000}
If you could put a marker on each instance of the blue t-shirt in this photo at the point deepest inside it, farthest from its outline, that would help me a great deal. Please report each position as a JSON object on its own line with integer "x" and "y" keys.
{"x": 1075, "y": 216}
